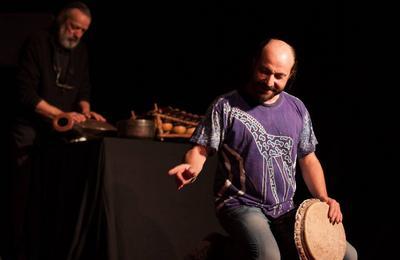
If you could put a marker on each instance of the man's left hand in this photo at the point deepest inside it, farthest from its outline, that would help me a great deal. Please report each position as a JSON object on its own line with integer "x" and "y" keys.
{"x": 335, "y": 214}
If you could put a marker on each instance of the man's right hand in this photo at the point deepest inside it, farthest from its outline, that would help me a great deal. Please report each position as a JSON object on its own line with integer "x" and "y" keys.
{"x": 184, "y": 174}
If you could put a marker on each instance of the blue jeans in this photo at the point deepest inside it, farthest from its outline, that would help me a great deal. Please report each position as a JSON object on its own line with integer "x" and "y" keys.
{"x": 259, "y": 238}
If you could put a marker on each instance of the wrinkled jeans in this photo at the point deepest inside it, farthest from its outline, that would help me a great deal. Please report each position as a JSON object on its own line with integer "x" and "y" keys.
{"x": 257, "y": 237}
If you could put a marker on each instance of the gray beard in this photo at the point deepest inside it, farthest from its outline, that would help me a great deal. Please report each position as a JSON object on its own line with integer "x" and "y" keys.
{"x": 65, "y": 41}
{"x": 68, "y": 43}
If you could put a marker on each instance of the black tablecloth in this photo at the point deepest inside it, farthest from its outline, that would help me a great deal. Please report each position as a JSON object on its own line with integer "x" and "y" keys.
{"x": 112, "y": 199}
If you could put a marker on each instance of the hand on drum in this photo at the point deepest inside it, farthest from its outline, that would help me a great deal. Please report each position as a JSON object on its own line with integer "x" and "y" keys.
{"x": 335, "y": 214}
{"x": 95, "y": 116}
{"x": 76, "y": 117}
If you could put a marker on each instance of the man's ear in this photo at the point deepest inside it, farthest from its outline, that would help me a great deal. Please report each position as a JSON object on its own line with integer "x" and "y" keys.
{"x": 292, "y": 76}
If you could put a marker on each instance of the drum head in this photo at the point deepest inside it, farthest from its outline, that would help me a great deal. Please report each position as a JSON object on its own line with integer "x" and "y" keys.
{"x": 315, "y": 237}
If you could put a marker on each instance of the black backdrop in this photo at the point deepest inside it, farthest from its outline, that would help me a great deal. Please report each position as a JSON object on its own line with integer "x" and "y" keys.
{"x": 184, "y": 54}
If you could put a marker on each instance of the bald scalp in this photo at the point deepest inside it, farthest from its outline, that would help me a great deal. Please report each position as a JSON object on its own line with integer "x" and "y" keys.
{"x": 279, "y": 50}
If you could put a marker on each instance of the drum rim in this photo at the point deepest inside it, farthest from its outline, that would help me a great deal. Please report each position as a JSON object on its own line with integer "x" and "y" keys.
{"x": 298, "y": 230}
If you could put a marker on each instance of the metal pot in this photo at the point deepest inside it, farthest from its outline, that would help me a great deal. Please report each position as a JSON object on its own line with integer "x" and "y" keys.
{"x": 137, "y": 128}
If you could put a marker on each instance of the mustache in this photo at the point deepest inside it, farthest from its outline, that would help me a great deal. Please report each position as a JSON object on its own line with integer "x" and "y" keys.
{"x": 73, "y": 39}
{"x": 266, "y": 87}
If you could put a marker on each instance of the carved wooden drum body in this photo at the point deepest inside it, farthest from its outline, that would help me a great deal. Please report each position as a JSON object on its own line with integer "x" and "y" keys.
{"x": 315, "y": 237}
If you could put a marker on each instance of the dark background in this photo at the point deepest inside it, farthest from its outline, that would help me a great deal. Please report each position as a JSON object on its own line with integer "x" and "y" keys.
{"x": 185, "y": 54}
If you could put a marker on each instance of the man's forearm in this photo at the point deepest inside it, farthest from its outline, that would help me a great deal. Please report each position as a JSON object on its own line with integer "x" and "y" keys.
{"x": 46, "y": 110}
{"x": 313, "y": 176}
{"x": 196, "y": 157}
{"x": 85, "y": 106}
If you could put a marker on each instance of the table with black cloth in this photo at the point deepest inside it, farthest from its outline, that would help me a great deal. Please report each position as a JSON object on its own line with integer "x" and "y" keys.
{"x": 113, "y": 199}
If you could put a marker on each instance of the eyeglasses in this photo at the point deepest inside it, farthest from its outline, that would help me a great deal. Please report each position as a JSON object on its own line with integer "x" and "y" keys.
{"x": 61, "y": 85}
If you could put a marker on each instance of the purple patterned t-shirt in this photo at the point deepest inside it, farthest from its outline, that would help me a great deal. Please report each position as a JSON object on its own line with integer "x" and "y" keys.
{"x": 258, "y": 146}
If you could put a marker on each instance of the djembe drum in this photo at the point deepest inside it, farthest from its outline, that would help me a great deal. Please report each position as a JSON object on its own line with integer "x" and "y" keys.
{"x": 315, "y": 237}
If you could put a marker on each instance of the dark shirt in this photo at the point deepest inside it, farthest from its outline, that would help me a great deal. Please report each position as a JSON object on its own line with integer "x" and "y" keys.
{"x": 41, "y": 59}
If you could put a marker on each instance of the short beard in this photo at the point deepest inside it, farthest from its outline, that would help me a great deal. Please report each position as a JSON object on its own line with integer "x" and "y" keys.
{"x": 262, "y": 98}
{"x": 68, "y": 44}
{"x": 65, "y": 41}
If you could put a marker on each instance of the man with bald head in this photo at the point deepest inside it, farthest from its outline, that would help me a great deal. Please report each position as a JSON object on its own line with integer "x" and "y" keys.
{"x": 259, "y": 133}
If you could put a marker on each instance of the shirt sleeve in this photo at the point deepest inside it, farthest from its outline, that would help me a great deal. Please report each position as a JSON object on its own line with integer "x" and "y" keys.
{"x": 211, "y": 130}
{"x": 28, "y": 76}
{"x": 308, "y": 141}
